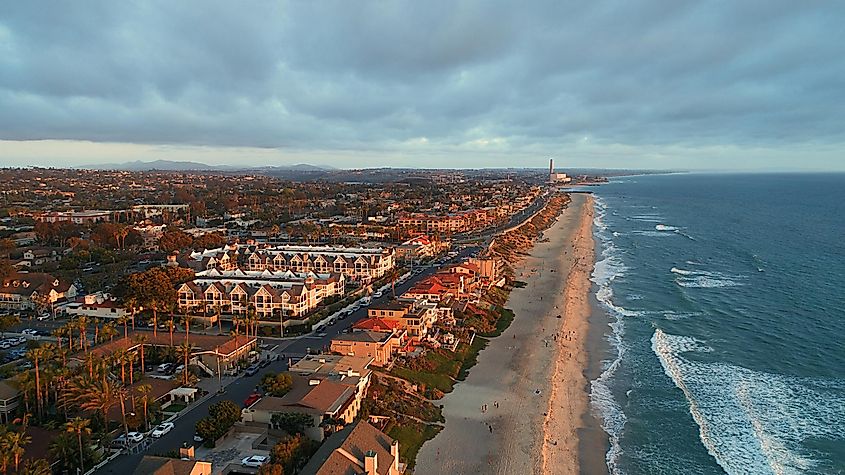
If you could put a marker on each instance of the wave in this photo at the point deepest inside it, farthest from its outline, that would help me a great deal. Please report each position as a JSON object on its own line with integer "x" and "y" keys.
{"x": 701, "y": 279}
{"x": 707, "y": 282}
{"x": 604, "y": 404}
{"x": 663, "y": 227}
{"x": 651, "y": 233}
{"x": 752, "y": 422}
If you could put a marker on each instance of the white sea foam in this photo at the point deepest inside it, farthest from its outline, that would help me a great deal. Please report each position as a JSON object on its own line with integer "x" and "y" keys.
{"x": 702, "y": 279}
{"x": 706, "y": 282}
{"x": 663, "y": 227}
{"x": 752, "y": 422}
{"x": 652, "y": 233}
{"x": 648, "y": 218}
{"x": 608, "y": 410}
{"x": 675, "y": 270}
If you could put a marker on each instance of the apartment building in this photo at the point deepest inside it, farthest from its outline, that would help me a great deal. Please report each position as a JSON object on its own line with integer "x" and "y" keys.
{"x": 358, "y": 263}
{"x": 75, "y": 217}
{"x": 270, "y": 293}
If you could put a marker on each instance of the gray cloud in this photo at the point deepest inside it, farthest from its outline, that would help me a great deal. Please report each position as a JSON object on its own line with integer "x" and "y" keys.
{"x": 407, "y": 76}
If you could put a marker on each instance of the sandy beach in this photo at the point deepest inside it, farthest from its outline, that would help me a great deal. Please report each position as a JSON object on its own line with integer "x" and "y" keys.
{"x": 523, "y": 405}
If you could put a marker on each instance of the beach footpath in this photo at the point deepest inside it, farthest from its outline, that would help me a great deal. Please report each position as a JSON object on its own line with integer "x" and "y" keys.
{"x": 520, "y": 408}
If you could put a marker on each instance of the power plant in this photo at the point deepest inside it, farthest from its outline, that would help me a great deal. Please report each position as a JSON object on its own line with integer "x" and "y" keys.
{"x": 557, "y": 177}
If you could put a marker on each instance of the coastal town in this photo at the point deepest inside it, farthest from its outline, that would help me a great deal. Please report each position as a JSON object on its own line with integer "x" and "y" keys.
{"x": 217, "y": 323}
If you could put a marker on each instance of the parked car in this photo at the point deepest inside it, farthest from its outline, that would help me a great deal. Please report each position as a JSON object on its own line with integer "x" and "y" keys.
{"x": 43, "y": 317}
{"x": 197, "y": 438}
{"x": 378, "y": 294}
{"x": 164, "y": 367}
{"x": 135, "y": 436}
{"x": 251, "y": 399}
{"x": 255, "y": 461}
{"x": 252, "y": 369}
{"x": 162, "y": 429}
{"x": 28, "y": 331}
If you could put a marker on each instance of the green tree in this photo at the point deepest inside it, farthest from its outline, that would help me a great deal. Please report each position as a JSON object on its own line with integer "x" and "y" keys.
{"x": 227, "y": 411}
{"x": 276, "y": 384}
{"x": 292, "y": 452}
{"x": 292, "y": 422}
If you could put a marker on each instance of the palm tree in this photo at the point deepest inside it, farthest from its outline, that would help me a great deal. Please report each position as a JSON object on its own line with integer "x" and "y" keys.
{"x": 79, "y": 426}
{"x": 141, "y": 340}
{"x": 145, "y": 390}
{"x": 63, "y": 448}
{"x": 95, "y": 395}
{"x": 124, "y": 320}
{"x": 109, "y": 331}
{"x": 119, "y": 357}
{"x": 5, "y": 453}
{"x": 12, "y": 443}
{"x": 187, "y": 319}
{"x": 171, "y": 327}
{"x": 83, "y": 326}
{"x": 37, "y": 355}
{"x": 59, "y": 333}
{"x": 131, "y": 357}
{"x": 237, "y": 322}
{"x": 121, "y": 392}
{"x": 25, "y": 384}
{"x": 219, "y": 323}
{"x": 36, "y": 467}
{"x": 153, "y": 303}
{"x": 185, "y": 351}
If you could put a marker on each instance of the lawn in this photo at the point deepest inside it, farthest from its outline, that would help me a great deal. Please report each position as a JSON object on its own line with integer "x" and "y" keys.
{"x": 174, "y": 408}
{"x": 411, "y": 436}
{"x": 433, "y": 380}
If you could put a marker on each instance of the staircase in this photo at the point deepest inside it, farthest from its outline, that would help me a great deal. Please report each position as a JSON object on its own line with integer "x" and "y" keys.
{"x": 205, "y": 368}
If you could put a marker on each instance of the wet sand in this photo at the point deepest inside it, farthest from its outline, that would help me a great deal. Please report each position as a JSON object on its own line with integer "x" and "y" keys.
{"x": 532, "y": 378}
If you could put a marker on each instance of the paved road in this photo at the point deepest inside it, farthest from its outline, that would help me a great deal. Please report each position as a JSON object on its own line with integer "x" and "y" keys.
{"x": 240, "y": 388}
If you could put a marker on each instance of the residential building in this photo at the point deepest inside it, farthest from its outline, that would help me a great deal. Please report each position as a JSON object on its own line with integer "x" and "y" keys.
{"x": 329, "y": 403}
{"x": 209, "y": 352}
{"x": 98, "y": 305}
{"x": 358, "y": 448}
{"x": 414, "y": 315}
{"x": 29, "y": 290}
{"x": 10, "y": 399}
{"x": 379, "y": 345}
{"x": 271, "y": 293}
{"x": 75, "y": 217}
{"x": 154, "y": 465}
{"x": 358, "y": 263}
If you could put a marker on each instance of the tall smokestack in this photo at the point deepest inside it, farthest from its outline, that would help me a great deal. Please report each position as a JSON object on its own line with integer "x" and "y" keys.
{"x": 551, "y": 166}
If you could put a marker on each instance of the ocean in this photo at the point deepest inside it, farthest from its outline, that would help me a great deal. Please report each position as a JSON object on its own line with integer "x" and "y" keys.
{"x": 726, "y": 344}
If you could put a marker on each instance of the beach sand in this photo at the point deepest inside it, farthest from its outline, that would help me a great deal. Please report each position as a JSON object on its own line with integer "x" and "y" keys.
{"x": 531, "y": 377}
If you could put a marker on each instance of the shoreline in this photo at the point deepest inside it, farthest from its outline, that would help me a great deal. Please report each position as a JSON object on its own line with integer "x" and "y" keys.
{"x": 525, "y": 377}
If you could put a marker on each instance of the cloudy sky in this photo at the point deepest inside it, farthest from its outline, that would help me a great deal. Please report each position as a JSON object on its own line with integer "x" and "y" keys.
{"x": 621, "y": 84}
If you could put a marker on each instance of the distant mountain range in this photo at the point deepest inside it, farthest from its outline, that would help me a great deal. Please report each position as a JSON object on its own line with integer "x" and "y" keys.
{"x": 170, "y": 165}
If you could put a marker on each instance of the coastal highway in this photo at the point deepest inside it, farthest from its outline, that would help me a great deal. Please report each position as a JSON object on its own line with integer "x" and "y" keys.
{"x": 486, "y": 235}
{"x": 239, "y": 389}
